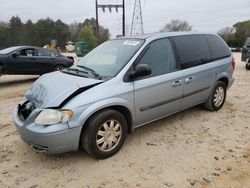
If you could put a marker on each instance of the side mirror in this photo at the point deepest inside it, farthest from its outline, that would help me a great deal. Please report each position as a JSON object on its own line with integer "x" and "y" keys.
{"x": 140, "y": 70}
{"x": 15, "y": 54}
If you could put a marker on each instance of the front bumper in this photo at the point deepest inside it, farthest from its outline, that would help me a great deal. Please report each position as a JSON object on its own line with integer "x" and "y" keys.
{"x": 53, "y": 139}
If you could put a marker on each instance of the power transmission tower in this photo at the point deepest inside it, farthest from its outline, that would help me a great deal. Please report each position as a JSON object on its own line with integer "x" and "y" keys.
{"x": 137, "y": 22}
{"x": 110, "y": 7}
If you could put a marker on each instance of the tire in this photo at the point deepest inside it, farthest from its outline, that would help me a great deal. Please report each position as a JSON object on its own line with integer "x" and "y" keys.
{"x": 215, "y": 103}
{"x": 99, "y": 128}
{"x": 1, "y": 70}
{"x": 59, "y": 67}
{"x": 247, "y": 64}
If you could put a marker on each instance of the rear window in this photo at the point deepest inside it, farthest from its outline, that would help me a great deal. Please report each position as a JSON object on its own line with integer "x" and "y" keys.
{"x": 193, "y": 50}
{"x": 218, "y": 47}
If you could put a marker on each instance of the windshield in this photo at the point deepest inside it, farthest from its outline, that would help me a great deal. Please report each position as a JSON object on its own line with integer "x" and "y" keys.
{"x": 110, "y": 57}
{"x": 8, "y": 50}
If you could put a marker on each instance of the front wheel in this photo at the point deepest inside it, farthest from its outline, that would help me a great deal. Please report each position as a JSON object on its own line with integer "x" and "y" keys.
{"x": 105, "y": 134}
{"x": 59, "y": 67}
{"x": 217, "y": 97}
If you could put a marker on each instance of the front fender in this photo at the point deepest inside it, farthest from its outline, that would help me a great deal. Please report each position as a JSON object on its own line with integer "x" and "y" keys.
{"x": 97, "y": 106}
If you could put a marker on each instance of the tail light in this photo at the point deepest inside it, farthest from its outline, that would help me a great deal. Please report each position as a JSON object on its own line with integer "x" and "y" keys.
{"x": 233, "y": 63}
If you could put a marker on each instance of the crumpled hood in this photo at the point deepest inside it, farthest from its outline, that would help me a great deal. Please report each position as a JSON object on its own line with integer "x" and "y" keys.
{"x": 54, "y": 88}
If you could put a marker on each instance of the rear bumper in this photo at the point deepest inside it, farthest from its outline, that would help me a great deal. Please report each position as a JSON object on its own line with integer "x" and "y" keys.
{"x": 60, "y": 141}
{"x": 230, "y": 83}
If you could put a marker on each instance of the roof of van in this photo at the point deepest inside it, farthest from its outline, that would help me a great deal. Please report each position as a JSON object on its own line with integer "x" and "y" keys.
{"x": 165, "y": 34}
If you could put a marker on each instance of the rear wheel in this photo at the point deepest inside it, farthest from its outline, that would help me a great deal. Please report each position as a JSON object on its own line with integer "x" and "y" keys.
{"x": 217, "y": 97}
{"x": 248, "y": 64}
{"x": 105, "y": 134}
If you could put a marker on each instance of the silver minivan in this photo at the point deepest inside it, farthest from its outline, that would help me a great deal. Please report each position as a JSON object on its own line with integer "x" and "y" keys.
{"x": 121, "y": 85}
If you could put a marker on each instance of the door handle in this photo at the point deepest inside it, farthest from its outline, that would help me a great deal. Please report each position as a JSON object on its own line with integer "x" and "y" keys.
{"x": 188, "y": 80}
{"x": 177, "y": 83}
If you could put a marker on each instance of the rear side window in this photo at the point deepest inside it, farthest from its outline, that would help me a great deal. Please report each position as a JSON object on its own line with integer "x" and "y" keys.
{"x": 44, "y": 53}
{"x": 193, "y": 50}
{"x": 160, "y": 57}
{"x": 218, "y": 47}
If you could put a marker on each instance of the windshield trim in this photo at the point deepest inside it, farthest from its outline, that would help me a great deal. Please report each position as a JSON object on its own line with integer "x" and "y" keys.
{"x": 142, "y": 42}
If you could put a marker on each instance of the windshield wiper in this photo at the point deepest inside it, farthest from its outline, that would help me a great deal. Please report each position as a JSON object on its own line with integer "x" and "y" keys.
{"x": 89, "y": 69}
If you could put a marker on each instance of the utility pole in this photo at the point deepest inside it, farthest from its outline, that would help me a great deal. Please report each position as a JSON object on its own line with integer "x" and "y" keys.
{"x": 137, "y": 22}
{"x": 110, "y": 7}
{"x": 97, "y": 20}
{"x": 123, "y": 18}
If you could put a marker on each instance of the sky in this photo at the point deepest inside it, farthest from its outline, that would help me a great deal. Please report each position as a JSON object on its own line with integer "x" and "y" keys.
{"x": 202, "y": 15}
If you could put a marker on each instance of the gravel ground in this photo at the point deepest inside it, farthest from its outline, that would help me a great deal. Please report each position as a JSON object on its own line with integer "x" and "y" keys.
{"x": 194, "y": 148}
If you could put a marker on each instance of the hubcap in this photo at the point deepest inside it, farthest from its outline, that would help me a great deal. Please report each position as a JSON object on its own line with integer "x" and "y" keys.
{"x": 219, "y": 96}
{"x": 108, "y": 135}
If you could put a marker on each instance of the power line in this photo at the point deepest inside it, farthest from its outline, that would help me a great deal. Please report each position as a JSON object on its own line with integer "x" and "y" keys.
{"x": 110, "y": 7}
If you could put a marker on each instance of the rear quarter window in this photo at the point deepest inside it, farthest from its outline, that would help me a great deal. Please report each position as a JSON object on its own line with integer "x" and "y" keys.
{"x": 218, "y": 47}
{"x": 193, "y": 50}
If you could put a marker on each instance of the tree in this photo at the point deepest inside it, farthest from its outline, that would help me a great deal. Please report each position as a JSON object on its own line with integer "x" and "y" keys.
{"x": 44, "y": 31}
{"x": 87, "y": 35}
{"x": 29, "y": 33}
{"x": 74, "y": 29}
{"x": 62, "y": 33}
{"x": 103, "y": 34}
{"x": 4, "y": 37}
{"x": 16, "y": 30}
{"x": 177, "y": 25}
{"x": 90, "y": 23}
{"x": 242, "y": 31}
{"x": 227, "y": 33}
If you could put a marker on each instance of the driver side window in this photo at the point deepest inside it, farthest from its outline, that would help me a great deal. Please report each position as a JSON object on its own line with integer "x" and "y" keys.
{"x": 27, "y": 52}
{"x": 160, "y": 57}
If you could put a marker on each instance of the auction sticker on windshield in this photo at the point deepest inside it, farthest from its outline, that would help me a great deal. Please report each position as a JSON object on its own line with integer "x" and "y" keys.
{"x": 131, "y": 43}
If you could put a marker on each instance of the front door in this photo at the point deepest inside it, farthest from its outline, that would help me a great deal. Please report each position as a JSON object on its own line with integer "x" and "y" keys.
{"x": 23, "y": 63}
{"x": 159, "y": 94}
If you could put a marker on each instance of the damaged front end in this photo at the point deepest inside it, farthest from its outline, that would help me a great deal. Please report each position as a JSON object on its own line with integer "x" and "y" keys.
{"x": 25, "y": 109}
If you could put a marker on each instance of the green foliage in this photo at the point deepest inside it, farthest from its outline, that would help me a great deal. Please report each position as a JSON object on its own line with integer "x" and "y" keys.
{"x": 29, "y": 33}
{"x": 242, "y": 31}
{"x": 236, "y": 36}
{"x": 4, "y": 37}
{"x": 103, "y": 34}
{"x": 87, "y": 35}
{"x": 43, "y": 31}
{"x": 16, "y": 30}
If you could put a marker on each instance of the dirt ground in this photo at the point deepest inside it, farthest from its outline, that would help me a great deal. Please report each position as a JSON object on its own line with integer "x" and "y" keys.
{"x": 194, "y": 148}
